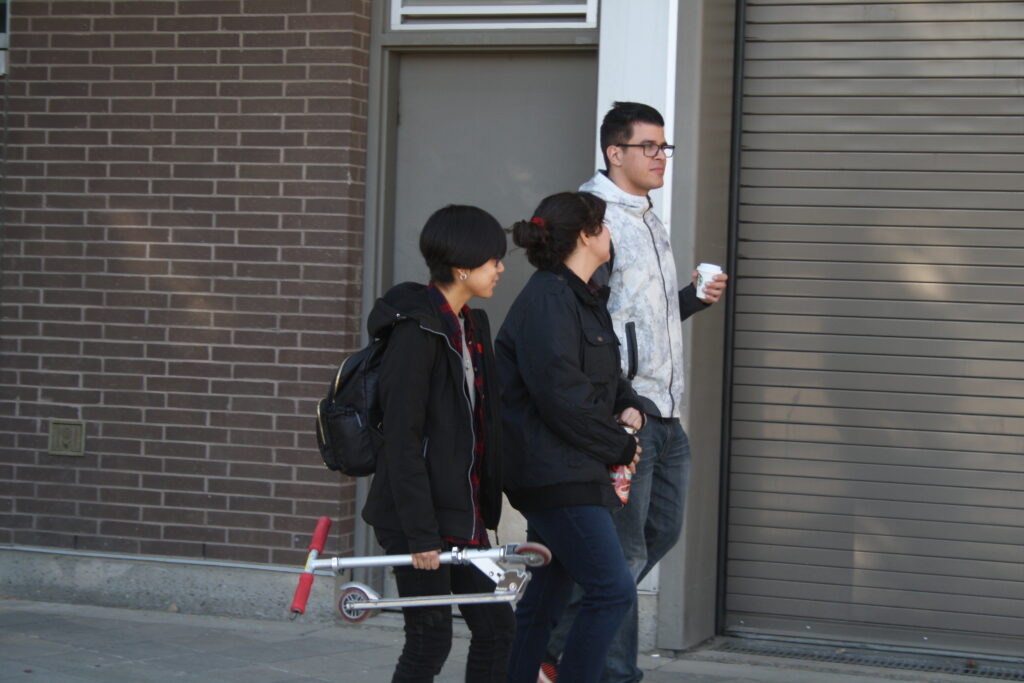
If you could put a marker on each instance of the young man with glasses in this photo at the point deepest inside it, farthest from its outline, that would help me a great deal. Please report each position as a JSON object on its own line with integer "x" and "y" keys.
{"x": 647, "y": 308}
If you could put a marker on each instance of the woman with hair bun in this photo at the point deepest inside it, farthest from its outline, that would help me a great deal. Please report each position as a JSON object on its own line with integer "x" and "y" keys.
{"x": 564, "y": 401}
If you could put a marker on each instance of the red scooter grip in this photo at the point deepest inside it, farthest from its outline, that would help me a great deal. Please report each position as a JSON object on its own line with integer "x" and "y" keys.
{"x": 302, "y": 594}
{"x": 323, "y": 525}
{"x": 316, "y": 546}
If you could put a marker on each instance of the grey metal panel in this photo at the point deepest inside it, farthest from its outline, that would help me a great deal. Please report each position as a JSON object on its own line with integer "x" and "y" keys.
{"x": 821, "y": 505}
{"x": 879, "y": 345}
{"x": 921, "y": 329}
{"x": 856, "y": 453}
{"x": 884, "y": 290}
{"x": 477, "y": 128}
{"x": 877, "y": 436}
{"x": 977, "y": 10}
{"x": 867, "y": 179}
{"x": 886, "y": 68}
{"x": 881, "y": 234}
{"x": 908, "y": 142}
{"x": 894, "y": 49}
{"x": 996, "y": 30}
{"x": 883, "y": 597}
{"x": 947, "y": 162}
{"x": 941, "y": 530}
{"x": 922, "y": 617}
{"x": 878, "y": 400}
{"x": 868, "y": 87}
{"x": 867, "y": 215}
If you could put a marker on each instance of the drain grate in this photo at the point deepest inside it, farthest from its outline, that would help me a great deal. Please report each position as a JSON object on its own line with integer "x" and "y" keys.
{"x": 906, "y": 662}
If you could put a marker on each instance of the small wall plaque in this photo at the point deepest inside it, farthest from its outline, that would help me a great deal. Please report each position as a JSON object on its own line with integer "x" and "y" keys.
{"x": 67, "y": 437}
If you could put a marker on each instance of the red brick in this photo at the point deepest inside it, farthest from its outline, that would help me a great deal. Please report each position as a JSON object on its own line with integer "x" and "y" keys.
{"x": 247, "y": 89}
{"x": 143, "y": 106}
{"x": 56, "y": 153}
{"x": 144, "y": 7}
{"x": 135, "y": 530}
{"x": 186, "y": 25}
{"x": 205, "y": 138}
{"x": 108, "y": 544}
{"x": 206, "y": 501}
{"x": 129, "y": 89}
{"x": 209, "y": 6}
{"x": 186, "y": 89}
{"x": 177, "y": 56}
{"x": 194, "y": 466}
{"x": 252, "y": 23}
{"x": 274, "y": 73}
{"x": 144, "y": 73}
{"x": 249, "y": 155}
{"x": 58, "y": 57}
{"x": 174, "y": 515}
{"x": 147, "y": 40}
{"x": 121, "y": 56}
{"x": 211, "y": 105}
{"x": 207, "y": 73}
{"x": 119, "y": 154}
{"x": 144, "y": 139}
{"x": 103, "y": 511}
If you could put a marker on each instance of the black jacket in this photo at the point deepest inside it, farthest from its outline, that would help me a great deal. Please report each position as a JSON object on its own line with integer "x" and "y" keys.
{"x": 422, "y": 484}
{"x": 558, "y": 360}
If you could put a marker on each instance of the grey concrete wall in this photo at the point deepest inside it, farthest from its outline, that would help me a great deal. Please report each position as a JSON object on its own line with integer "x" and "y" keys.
{"x": 704, "y": 68}
{"x": 159, "y": 585}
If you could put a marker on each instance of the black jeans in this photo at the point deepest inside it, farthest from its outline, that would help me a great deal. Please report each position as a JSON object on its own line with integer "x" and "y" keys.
{"x": 428, "y": 630}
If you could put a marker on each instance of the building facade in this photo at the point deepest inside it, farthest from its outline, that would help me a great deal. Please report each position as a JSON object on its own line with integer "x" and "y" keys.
{"x": 202, "y": 196}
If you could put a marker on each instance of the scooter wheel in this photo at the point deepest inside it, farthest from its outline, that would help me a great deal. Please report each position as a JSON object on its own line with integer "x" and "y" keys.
{"x": 350, "y": 597}
{"x": 535, "y": 554}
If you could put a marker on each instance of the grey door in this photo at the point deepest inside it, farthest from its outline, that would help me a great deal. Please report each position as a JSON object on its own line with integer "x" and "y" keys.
{"x": 493, "y": 129}
{"x": 877, "y": 452}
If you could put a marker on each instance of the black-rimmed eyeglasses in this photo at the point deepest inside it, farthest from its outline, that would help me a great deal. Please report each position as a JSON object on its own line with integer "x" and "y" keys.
{"x": 651, "y": 149}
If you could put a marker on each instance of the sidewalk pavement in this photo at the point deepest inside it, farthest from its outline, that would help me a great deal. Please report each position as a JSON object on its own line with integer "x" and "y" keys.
{"x": 61, "y": 643}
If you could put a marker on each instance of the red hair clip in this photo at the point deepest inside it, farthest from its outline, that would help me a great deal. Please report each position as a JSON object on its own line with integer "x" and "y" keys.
{"x": 537, "y": 220}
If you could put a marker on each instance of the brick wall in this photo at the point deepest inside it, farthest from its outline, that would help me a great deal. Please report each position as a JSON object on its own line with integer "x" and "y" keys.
{"x": 181, "y": 269}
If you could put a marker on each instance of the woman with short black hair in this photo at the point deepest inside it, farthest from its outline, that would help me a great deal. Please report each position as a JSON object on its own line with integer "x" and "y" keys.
{"x": 438, "y": 481}
{"x": 564, "y": 403}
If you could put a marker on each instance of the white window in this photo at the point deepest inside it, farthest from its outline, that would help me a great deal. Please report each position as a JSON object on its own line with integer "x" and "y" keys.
{"x": 492, "y": 14}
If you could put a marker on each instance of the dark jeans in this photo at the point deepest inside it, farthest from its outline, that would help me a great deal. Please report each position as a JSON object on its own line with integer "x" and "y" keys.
{"x": 586, "y": 551}
{"x": 647, "y": 526}
{"x": 428, "y": 630}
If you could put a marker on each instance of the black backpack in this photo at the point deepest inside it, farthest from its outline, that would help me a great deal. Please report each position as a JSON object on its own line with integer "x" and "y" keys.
{"x": 349, "y": 420}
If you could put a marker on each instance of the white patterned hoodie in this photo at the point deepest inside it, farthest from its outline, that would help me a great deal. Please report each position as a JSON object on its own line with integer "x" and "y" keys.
{"x": 644, "y": 291}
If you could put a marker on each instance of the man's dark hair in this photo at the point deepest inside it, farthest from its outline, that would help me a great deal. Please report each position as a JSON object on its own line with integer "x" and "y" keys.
{"x": 617, "y": 127}
{"x": 460, "y": 237}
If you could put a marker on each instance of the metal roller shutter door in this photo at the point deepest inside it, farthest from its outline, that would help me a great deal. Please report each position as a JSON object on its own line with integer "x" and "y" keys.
{"x": 876, "y": 472}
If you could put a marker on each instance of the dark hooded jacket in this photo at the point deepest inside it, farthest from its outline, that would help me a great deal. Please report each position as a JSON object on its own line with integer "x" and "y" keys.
{"x": 422, "y": 486}
{"x": 558, "y": 359}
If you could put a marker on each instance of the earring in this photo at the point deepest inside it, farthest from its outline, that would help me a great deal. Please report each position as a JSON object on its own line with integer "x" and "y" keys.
{"x": 463, "y": 276}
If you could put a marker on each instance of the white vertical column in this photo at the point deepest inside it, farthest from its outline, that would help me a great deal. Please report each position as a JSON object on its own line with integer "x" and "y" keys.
{"x": 637, "y": 63}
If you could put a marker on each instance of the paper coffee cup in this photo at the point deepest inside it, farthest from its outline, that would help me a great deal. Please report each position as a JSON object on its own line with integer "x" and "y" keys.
{"x": 705, "y": 273}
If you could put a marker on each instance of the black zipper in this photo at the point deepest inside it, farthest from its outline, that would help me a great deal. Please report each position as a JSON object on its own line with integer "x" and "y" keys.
{"x": 472, "y": 429}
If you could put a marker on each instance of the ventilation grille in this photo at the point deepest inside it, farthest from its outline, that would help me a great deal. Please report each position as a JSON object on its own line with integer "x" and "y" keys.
{"x": 962, "y": 666}
{"x": 496, "y": 14}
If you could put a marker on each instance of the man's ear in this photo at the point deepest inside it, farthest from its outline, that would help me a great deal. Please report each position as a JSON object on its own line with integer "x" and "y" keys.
{"x": 614, "y": 154}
